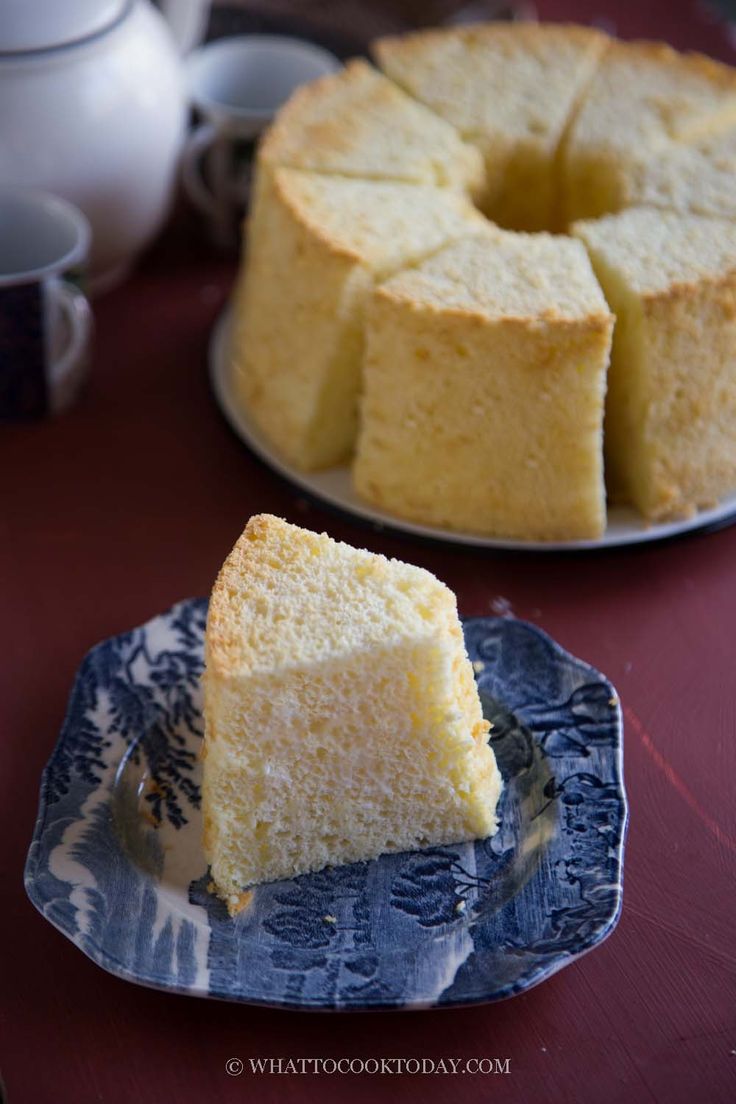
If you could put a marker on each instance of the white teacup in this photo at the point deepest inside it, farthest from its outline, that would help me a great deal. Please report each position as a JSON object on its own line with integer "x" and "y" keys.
{"x": 45, "y": 319}
{"x": 237, "y": 85}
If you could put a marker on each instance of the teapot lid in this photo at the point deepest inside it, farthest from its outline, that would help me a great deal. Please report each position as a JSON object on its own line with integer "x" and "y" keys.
{"x": 47, "y": 24}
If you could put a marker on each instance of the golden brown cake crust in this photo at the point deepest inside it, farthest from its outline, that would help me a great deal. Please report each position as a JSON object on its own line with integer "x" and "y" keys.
{"x": 288, "y": 123}
{"x": 580, "y": 151}
{"x": 224, "y": 646}
{"x": 358, "y": 123}
{"x": 524, "y": 36}
{"x": 306, "y": 638}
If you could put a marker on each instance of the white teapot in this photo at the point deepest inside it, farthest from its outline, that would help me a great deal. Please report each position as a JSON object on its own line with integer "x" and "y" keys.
{"x": 92, "y": 108}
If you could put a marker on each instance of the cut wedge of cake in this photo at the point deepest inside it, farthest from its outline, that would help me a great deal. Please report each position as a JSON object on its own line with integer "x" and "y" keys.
{"x": 643, "y": 98}
{"x": 697, "y": 178}
{"x": 316, "y": 246}
{"x": 510, "y": 89}
{"x": 342, "y": 719}
{"x": 484, "y": 384}
{"x": 359, "y": 123}
{"x": 683, "y": 179}
{"x": 671, "y": 408}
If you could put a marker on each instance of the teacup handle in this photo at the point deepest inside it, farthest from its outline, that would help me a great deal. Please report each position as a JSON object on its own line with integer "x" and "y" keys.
{"x": 68, "y": 370}
{"x": 201, "y": 138}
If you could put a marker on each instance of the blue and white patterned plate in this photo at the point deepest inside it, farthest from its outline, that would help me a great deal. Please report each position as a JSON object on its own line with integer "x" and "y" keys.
{"x": 116, "y": 863}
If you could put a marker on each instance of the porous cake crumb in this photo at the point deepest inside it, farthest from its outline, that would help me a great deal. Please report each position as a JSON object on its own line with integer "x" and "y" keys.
{"x": 342, "y": 719}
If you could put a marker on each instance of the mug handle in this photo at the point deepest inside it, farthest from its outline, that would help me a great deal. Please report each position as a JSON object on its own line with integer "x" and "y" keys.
{"x": 198, "y": 142}
{"x": 69, "y": 369}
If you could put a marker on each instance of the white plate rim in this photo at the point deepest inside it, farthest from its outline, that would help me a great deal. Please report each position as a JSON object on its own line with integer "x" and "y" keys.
{"x": 333, "y": 487}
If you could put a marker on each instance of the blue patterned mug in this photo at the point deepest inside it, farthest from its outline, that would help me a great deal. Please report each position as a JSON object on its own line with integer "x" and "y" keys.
{"x": 45, "y": 319}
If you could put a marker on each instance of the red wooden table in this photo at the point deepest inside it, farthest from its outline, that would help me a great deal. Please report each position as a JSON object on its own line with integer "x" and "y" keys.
{"x": 130, "y": 502}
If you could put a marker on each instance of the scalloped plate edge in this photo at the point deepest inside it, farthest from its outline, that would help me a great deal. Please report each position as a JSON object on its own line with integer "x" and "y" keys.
{"x": 104, "y": 959}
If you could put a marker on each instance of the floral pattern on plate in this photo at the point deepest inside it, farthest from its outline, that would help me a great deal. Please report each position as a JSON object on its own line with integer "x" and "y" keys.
{"x": 116, "y": 861}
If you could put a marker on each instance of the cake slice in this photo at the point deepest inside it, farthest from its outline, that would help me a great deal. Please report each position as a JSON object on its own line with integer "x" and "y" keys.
{"x": 508, "y": 88}
{"x": 683, "y": 179}
{"x": 670, "y": 427}
{"x": 316, "y": 245}
{"x": 342, "y": 719}
{"x": 719, "y": 147}
{"x": 643, "y": 98}
{"x": 484, "y": 383}
{"x": 358, "y": 123}
{"x": 699, "y": 177}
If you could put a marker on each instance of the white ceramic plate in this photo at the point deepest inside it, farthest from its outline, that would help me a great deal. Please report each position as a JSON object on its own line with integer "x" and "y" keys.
{"x": 334, "y": 486}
